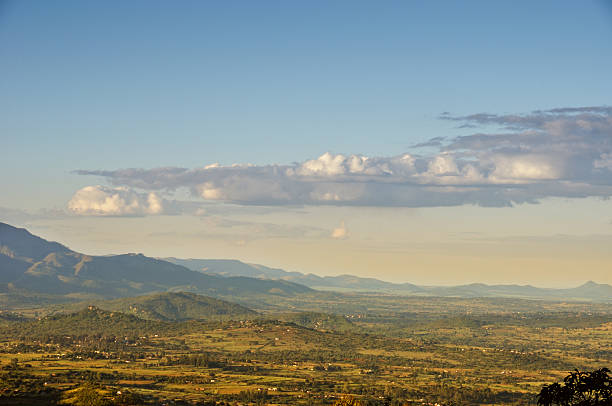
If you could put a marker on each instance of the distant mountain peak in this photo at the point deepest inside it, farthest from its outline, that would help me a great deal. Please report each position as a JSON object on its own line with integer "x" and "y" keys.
{"x": 591, "y": 284}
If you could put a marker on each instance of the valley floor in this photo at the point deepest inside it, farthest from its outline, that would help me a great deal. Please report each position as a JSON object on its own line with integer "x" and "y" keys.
{"x": 381, "y": 358}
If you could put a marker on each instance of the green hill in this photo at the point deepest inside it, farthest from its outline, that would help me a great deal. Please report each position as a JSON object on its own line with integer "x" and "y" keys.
{"x": 177, "y": 307}
{"x": 89, "y": 321}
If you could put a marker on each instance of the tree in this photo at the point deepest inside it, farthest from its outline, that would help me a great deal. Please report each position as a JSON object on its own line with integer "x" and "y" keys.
{"x": 579, "y": 389}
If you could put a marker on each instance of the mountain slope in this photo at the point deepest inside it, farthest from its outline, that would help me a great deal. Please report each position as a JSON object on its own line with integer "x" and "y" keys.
{"x": 20, "y": 243}
{"x": 11, "y": 268}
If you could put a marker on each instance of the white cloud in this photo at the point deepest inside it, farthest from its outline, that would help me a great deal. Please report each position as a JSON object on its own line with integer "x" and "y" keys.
{"x": 326, "y": 165}
{"x": 525, "y": 168}
{"x": 443, "y": 164}
{"x": 209, "y": 192}
{"x": 340, "y": 233}
{"x": 156, "y": 205}
{"x": 119, "y": 201}
{"x": 565, "y": 152}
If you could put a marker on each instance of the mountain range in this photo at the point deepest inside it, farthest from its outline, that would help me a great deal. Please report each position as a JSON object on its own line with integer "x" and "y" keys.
{"x": 36, "y": 271}
{"x": 30, "y": 264}
{"x": 590, "y": 291}
{"x": 229, "y": 267}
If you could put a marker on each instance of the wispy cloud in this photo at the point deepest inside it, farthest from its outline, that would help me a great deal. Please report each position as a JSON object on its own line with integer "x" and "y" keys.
{"x": 563, "y": 152}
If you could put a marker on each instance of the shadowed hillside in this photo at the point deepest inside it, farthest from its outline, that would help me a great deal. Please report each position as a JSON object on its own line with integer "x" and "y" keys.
{"x": 21, "y": 244}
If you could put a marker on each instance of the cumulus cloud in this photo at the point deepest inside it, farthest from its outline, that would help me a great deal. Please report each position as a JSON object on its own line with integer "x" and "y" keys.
{"x": 340, "y": 233}
{"x": 119, "y": 201}
{"x": 563, "y": 152}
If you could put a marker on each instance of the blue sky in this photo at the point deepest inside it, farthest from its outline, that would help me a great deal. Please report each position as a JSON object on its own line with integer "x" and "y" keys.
{"x": 145, "y": 84}
{"x": 186, "y": 83}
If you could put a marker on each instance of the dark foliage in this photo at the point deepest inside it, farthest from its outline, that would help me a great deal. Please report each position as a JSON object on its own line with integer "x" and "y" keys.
{"x": 579, "y": 389}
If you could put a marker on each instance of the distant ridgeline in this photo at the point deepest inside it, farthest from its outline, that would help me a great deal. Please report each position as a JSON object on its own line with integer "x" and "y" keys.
{"x": 590, "y": 291}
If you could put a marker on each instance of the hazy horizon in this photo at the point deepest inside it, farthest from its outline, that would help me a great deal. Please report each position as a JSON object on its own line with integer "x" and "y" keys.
{"x": 424, "y": 143}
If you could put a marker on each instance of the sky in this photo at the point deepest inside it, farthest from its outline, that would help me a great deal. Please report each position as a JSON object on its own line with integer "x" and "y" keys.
{"x": 434, "y": 142}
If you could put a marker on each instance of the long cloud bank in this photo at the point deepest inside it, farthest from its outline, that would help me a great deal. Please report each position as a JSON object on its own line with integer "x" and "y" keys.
{"x": 565, "y": 152}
